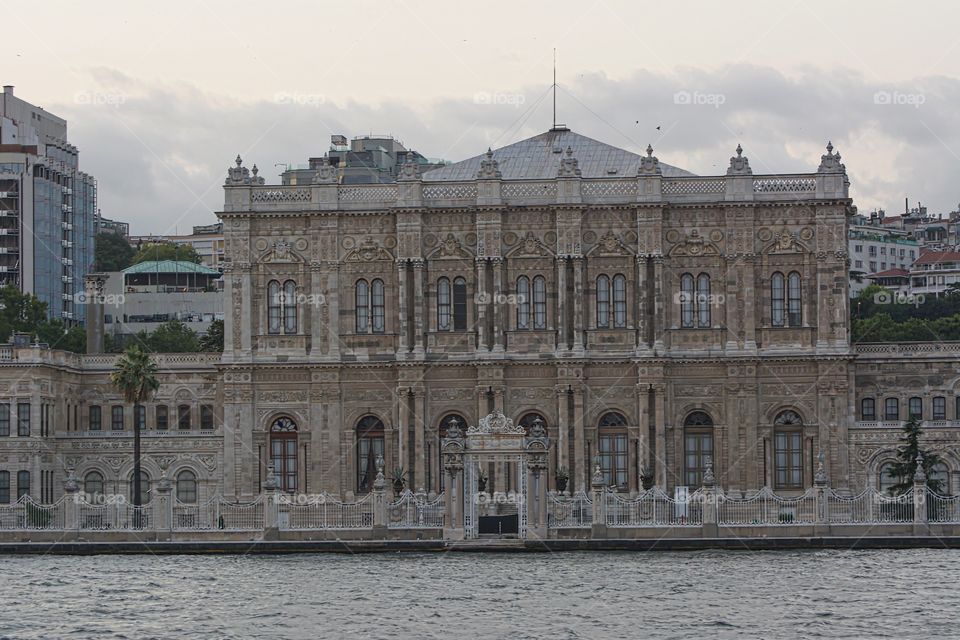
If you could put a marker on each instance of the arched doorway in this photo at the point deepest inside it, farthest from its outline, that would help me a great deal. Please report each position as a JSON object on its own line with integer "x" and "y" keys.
{"x": 283, "y": 452}
{"x": 612, "y": 449}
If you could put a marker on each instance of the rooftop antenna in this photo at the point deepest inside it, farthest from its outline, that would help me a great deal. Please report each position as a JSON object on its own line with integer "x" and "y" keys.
{"x": 554, "y": 88}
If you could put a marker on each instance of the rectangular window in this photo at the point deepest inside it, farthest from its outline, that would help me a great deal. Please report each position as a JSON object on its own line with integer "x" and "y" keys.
{"x": 612, "y": 449}
{"x": 183, "y": 417}
{"x": 4, "y": 487}
{"x": 5, "y": 419}
{"x": 787, "y": 465}
{"x": 23, "y": 484}
{"x": 23, "y": 419}
{"x": 891, "y": 409}
{"x": 206, "y": 417}
{"x": 939, "y": 408}
{"x": 141, "y": 417}
{"x": 916, "y": 408}
{"x": 162, "y": 417}
{"x": 868, "y": 409}
{"x": 459, "y": 305}
{"x": 116, "y": 418}
{"x": 698, "y": 448}
{"x": 94, "y": 423}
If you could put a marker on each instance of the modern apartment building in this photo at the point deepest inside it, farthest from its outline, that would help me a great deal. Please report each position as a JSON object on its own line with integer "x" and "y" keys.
{"x": 206, "y": 239}
{"x": 48, "y": 208}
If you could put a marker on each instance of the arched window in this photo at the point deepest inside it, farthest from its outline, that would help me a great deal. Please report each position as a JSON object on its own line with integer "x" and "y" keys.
{"x": 612, "y": 449}
{"x": 777, "y": 300}
{"x": 283, "y": 452}
{"x": 703, "y": 300}
{"x": 274, "y": 307}
{"x": 697, "y": 447}
{"x": 523, "y": 302}
{"x": 686, "y": 300}
{"x": 539, "y": 303}
{"x": 369, "y": 448}
{"x": 362, "y": 303}
{"x": 93, "y": 484}
{"x": 794, "y": 314}
{"x": 448, "y": 421}
{"x": 603, "y": 302}
{"x": 915, "y": 407}
{"x": 459, "y": 304}
{"x": 443, "y": 304}
{"x": 886, "y": 479}
{"x": 144, "y": 488}
{"x": 529, "y": 419}
{"x": 891, "y": 409}
{"x": 619, "y": 301}
{"x": 788, "y": 451}
{"x": 868, "y": 409}
{"x": 378, "y": 306}
{"x": 187, "y": 487}
{"x": 289, "y": 307}
{"x": 183, "y": 417}
{"x": 4, "y": 487}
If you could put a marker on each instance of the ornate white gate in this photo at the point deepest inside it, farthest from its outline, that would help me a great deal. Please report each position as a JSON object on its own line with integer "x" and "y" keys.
{"x": 495, "y": 440}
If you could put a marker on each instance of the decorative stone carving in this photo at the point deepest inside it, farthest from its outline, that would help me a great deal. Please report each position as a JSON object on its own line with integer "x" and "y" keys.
{"x": 409, "y": 170}
{"x": 649, "y": 164}
{"x": 496, "y": 422}
{"x": 489, "y": 167}
{"x": 739, "y": 165}
{"x": 830, "y": 162}
{"x": 569, "y": 167}
{"x": 240, "y": 175}
{"x": 326, "y": 173}
{"x": 368, "y": 251}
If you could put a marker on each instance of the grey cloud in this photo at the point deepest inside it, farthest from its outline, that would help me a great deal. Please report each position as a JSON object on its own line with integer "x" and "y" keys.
{"x": 161, "y": 156}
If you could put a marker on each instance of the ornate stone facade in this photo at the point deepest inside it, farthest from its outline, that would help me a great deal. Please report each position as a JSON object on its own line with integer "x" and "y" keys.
{"x": 656, "y": 323}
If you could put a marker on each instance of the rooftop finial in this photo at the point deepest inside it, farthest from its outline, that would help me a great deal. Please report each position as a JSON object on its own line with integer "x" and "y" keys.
{"x": 649, "y": 150}
{"x": 739, "y": 150}
{"x": 829, "y": 147}
{"x": 239, "y": 161}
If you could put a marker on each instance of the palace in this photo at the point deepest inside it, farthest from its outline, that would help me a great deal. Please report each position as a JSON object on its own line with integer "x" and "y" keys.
{"x": 653, "y": 321}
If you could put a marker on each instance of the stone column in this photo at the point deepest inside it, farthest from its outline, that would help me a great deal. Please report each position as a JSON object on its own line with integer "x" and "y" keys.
{"x": 579, "y": 334}
{"x": 562, "y": 302}
{"x": 163, "y": 509}
{"x": 822, "y": 523}
{"x": 563, "y": 446}
{"x": 419, "y": 427}
{"x": 71, "y": 505}
{"x": 498, "y": 319}
{"x": 419, "y": 303}
{"x": 403, "y": 428}
{"x": 598, "y": 530}
{"x": 661, "y": 432}
{"x": 481, "y": 306}
{"x": 643, "y": 444}
{"x": 579, "y": 454}
{"x": 921, "y": 526}
{"x": 642, "y": 306}
{"x": 710, "y": 495}
{"x": 749, "y": 309}
{"x": 659, "y": 306}
{"x": 379, "y": 502}
{"x": 403, "y": 327}
{"x": 332, "y": 325}
{"x": 271, "y": 507}
{"x": 317, "y": 328}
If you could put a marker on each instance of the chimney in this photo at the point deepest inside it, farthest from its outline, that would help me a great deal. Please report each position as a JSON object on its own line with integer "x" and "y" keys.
{"x": 8, "y": 89}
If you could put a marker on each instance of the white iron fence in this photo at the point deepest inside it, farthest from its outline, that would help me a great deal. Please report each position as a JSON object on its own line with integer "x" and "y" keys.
{"x": 653, "y": 508}
{"x": 869, "y": 507}
{"x": 767, "y": 508}
{"x": 570, "y": 512}
{"x": 325, "y": 512}
{"x": 412, "y": 511}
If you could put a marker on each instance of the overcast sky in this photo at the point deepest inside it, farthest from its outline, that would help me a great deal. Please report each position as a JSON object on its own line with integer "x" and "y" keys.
{"x": 161, "y": 97}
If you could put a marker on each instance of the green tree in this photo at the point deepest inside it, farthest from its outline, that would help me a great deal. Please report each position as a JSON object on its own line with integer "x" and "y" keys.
{"x": 212, "y": 340}
{"x": 24, "y": 313}
{"x": 172, "y": 336}
{"x": 905, "y": 467}
{"x": 111, "y": 252}
{"x": 135, "y": 376}
{"x": 166, "y": 251}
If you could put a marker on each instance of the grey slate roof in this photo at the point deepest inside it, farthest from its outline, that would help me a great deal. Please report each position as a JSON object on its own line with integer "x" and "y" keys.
{"x": 539, "y": 158}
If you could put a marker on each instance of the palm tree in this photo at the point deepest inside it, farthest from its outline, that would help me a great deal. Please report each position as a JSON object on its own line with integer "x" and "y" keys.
{"x": 135, "y": 376}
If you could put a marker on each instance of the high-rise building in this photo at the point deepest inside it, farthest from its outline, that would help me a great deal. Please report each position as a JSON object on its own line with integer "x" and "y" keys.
{"x": 48, "y": 208}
